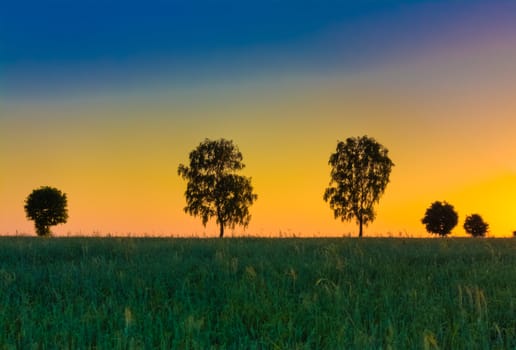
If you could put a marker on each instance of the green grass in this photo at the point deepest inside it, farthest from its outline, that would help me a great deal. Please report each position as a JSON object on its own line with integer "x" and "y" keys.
{"x": 129, "y": 293}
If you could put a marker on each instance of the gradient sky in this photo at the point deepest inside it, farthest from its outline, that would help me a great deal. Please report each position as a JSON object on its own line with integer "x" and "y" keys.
{"x": 103, "y": 100}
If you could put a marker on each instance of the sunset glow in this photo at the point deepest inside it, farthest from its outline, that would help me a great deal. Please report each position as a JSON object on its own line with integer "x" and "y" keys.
{"x": 105, "y": 108}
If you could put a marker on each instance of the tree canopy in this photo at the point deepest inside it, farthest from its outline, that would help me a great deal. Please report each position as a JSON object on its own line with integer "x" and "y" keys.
{"x": 47, "y": 207}
{"x": 440, "y": 218}
{"x": 214, "y": 189}
{"x": 360, "y": 170}
{"x": 475, "y": 225}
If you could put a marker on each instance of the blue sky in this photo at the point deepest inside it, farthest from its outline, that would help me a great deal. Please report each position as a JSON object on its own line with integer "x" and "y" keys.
{"x": 70, "y": 46}
{"x": 84, "y": 30}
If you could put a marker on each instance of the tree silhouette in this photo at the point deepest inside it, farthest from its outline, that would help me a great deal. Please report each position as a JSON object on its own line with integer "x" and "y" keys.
{"x": 213, "y": 187}
{"x": 360, "y": 170}
{"x": 440, "y": 218}
{"x": 47, "y": 207}
{"x": 475, "y": 225}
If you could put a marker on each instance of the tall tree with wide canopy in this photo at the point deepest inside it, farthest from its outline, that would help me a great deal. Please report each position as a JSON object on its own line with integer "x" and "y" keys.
{"x": 360, "y": 170}
{"x": 47, "y": 207}
{"x": 214, "y": 189}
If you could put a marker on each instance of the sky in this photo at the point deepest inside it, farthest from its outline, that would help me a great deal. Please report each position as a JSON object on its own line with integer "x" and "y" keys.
{"x": 104, "y": 99}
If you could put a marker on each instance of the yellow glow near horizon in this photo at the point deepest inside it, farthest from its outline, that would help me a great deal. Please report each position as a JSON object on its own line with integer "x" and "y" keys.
{"x": 448, "y": 133}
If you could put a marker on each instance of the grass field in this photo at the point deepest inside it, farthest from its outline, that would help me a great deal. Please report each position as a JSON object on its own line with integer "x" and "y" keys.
{"x": 246, "y": 293}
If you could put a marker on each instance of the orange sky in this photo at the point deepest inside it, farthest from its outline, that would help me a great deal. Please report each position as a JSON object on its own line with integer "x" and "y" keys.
{"x": 447, "y": 117}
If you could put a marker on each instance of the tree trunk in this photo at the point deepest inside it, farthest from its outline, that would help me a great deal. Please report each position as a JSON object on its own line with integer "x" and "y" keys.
{"x": 221, "y": 230}
{"x": 42, "y": 230}
{"x": 360, "y": 230}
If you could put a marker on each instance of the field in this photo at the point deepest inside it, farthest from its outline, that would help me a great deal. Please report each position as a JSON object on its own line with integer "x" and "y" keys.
{"x": 247, "y": 293}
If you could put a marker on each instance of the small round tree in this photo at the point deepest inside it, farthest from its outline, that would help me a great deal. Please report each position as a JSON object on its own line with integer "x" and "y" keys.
{"x": 475, "y": 225}
{"x": 440, "y": 218}
{"x": 47, "y": 207}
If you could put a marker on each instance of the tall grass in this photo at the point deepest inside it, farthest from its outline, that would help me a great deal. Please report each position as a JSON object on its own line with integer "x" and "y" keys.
{"x": 130, "y": 293}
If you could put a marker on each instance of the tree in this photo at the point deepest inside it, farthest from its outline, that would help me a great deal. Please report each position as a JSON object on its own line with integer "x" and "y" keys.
{"x": 475, "y": 225}
{"x": 440, "y": 218}
{"x": 47, "y": 207}
{"x": 213, "y": 187}
{"x": 360, "y": 170}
